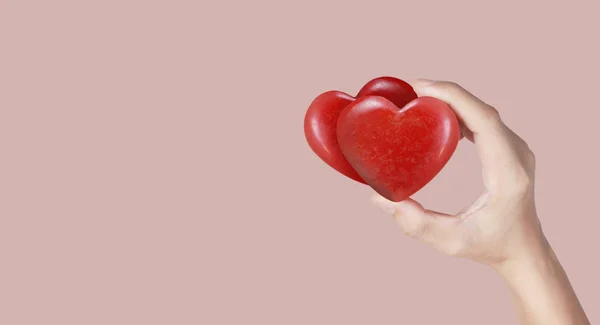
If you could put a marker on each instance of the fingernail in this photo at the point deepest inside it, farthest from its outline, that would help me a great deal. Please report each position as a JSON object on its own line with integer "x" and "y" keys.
{"x": 385, "y": 205}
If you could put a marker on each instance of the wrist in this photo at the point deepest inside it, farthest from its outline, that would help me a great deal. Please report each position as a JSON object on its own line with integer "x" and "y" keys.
{"x": 536, "y": 257}
{"x": 529, "y": 249}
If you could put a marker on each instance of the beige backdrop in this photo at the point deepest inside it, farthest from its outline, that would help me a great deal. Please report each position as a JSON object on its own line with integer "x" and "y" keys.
{"x": 153, "y": 167}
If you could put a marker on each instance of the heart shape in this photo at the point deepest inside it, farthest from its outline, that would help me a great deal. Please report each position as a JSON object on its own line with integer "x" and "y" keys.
{"x": 397, "y": 151}
{"x": 320, "y": 121}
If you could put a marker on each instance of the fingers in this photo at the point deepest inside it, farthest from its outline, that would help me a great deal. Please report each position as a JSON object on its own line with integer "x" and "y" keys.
{"x": 481, "y": 122}
{"x": 477, "y": 116}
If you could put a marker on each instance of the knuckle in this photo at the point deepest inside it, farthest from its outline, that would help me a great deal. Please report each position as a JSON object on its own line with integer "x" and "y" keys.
{"x": 530, "y": 158}
{"x": 525, "y": 154}
{"x": 492, "y": 115}
{"x": 522, "y": 182}
{"x": 530, "y": 154}
{"x": 450, "y": 87}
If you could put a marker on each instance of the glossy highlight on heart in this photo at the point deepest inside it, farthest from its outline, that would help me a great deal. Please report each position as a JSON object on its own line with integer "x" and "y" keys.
{"x": 321, "y": 119}
{"x": 397, "y": 151}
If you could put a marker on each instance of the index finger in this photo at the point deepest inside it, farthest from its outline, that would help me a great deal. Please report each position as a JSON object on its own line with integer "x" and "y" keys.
{"x": 479, "y": 117}
{"x": 489, "y": 132}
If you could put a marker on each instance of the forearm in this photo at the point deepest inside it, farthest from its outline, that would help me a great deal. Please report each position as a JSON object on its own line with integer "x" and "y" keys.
{"x": 541, "y": 289}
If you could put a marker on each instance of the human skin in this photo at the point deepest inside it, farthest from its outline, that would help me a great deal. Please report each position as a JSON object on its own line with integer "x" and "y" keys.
{"x": 501, "y": 229}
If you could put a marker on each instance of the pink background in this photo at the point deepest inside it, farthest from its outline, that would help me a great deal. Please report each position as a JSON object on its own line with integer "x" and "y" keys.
{"x": 153, "y": 167}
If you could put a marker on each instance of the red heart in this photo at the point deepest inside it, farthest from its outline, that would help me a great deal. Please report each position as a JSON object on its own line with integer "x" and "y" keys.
{"x": 322, "y": 115}
{"x": 397, "y": 151}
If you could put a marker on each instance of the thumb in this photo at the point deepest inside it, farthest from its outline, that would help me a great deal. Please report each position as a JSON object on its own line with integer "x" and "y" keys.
{"x": 414, "y": 220}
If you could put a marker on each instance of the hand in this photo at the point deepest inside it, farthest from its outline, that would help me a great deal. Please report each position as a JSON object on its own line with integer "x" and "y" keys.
{"x": 501, "y": 229}
{"x": 503, "y": 220}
